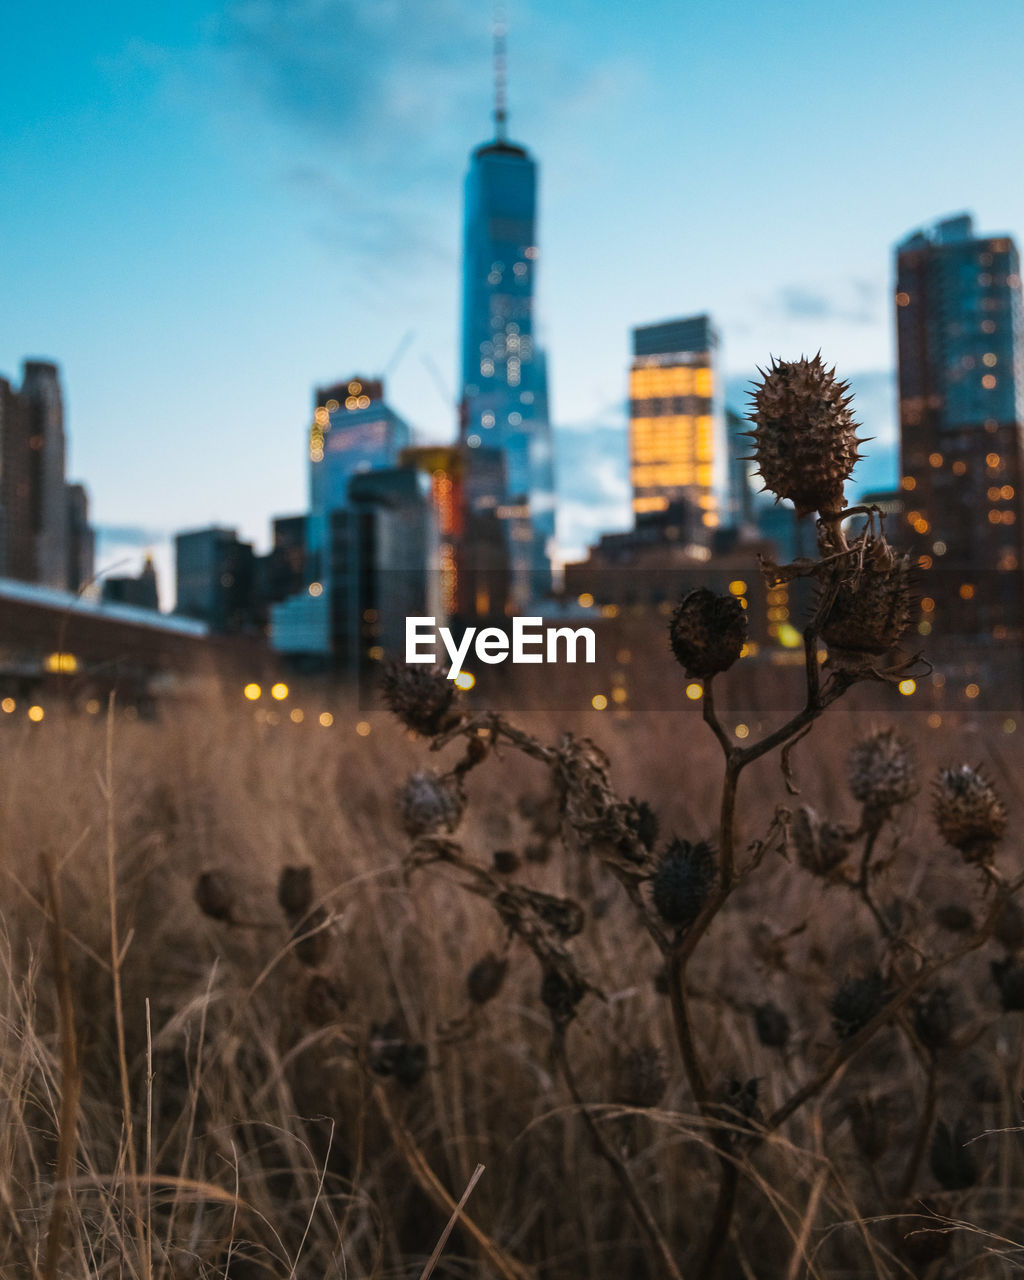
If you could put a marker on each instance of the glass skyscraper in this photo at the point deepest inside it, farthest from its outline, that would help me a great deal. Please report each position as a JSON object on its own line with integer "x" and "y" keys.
{"x": 504, "y": 373}
{"x": 960, "y": 329}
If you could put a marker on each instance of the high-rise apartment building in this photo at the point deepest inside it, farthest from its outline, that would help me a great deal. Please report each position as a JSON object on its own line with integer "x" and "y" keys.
{"x": 676, "y": 434}
{"x": 214, "y": 578}
{"x": 504, "y": 401}
{"x": 960, "y": 334}
{"x": 44, "y": 534}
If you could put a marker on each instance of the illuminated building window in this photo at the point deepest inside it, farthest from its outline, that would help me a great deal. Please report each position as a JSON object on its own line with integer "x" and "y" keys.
{"x": 992, "y": 460}
{"x": 935, "y": 459}
{"x": 908, "y": 483}
{"x": 902, "y": 299}
{"x": 959, "y": 468}
{"x": 966, "y": 591}
{"x": 989, "y": 360}
{"x": 988, "y": 381}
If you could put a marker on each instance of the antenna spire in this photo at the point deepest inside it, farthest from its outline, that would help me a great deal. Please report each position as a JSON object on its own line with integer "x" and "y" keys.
{"x": 500, "y": 75}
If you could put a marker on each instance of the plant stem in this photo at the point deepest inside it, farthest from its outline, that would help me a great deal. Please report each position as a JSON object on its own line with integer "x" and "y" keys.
{"x": 643, "y": 1215}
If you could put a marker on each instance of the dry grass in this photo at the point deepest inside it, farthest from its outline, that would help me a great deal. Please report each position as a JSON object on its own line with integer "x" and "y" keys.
{"x": 212, "y": 1098}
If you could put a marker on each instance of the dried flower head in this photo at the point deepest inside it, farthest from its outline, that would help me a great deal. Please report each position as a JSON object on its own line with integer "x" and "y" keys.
{"x": 771, "y": 1025}
{"x": 486, "y": 978}
{"x": 805, "y": 437}
{"x": 856, "y": 1002}
{"x": 640, "y": 1079}
{"x": 819, "y": 847}
{"x": 881, "y": 772}
{"x": 683, "y": 881}
{"x": 427, "y": 802}
{"x": 295, "y": 891}
{"x": 968, "y": 813}
{"x": 870, "y": 609}
{"x": 707, "y": 633}
{"x": 423, "y": 698}
{"x": 952, "y": 1162}
{"x": 215, "y": 895}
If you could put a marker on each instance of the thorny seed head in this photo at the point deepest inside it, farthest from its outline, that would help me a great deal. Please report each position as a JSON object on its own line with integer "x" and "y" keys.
{"x": 819, "y": 847}
{"x": 881, "y": 772}
{"x": 933, "y": 1019}
{"x": 968, "y": 813}
{"x": 428, "y": 802}
{"x": 682, "y": 882}
{"x": 642, "y": 822}
{"x": 771, "y": 1025}
{"x": 423, "y": 698}
{"x": 640, "y": 1079}
{"x": 952, "y": 1162}
{"x": 295, "y": 891}
{"x": 215, "y": 895}
{"x": 390, "y": 1054}
{"x": 871, "y": 607}
{"x": 486, "y": 978}
{"x": 856, "y": 1002}
{"x": 707, "y": 633}
{"x": 805, "y": 437}
{"x": 1009, "y": 978}
{"x": 738, "y": 1105}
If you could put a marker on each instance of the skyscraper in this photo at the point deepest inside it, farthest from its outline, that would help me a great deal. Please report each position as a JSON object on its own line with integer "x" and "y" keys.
{"x": 504, "y": 373}
{"x": 676, "y": 433}
{"x": 40, "y": 389}
{"x": 960, "y": 333}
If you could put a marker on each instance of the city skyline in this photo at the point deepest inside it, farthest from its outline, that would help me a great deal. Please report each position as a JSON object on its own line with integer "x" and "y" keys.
{"x": 193, "y": 284}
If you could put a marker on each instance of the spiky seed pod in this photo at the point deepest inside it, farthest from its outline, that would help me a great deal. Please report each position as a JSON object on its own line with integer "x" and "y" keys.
{"x": 684, "y": 878}
{"x": 968, "y": 812}
{"x": 428, "y": 802}
{"x": 951, "y": 1161}
{"x": 737, "y": 1105}
{"x": 295, "y": 891}
{"x": 954, "y": 917}
{"x": 871, "y": 607}
{"x": 505, "y": 861}
{"x": 1009, "y": 930}
{"x": 486, "y": 978}
{"x": 640, "y": 1079}
{"x": 819, "y": 847}
{"x": 390, "y": 1054}
{"x": 1009, "y": 978}
{"x": 805, "y": 437}
{"x": 933, "y": 1019}
{"x": 871, "y": 1126}
{"x": 215, "y": 895}
{"x": 560, "y": 993}
{"x": 707, "y": 633}
{"x": 856, "y": 1002}
{"x": 881, "y": 772}
{"x": 423, "y": 698}
{"x": 771, "y": 1025}
{"x": 311, "y": 940}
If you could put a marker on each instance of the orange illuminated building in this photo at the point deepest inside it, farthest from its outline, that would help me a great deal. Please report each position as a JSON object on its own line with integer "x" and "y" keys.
{"x": 673, "y": 426}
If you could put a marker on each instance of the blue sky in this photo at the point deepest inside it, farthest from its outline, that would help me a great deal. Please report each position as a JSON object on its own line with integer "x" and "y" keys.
{"x": 208, "y": 207}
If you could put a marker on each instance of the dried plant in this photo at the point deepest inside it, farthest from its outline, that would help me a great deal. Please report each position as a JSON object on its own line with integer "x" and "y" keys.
{"x": 805, "y": 446}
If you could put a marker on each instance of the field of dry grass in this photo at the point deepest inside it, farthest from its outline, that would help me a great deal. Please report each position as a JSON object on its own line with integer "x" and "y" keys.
{"x": 192, "y": 1093}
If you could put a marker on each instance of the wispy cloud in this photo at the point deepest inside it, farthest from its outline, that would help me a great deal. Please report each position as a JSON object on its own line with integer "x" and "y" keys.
{"x": 851, "y": 302}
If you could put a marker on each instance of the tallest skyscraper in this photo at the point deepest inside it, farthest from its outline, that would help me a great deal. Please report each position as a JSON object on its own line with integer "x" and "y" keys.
{"x": 504, "y": 373}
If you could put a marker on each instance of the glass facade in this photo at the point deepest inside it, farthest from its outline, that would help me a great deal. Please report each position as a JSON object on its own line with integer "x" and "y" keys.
{"x": 960, "y": 332}
{"x": 504, "y": 373}
{"x": 676, "y": 430}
